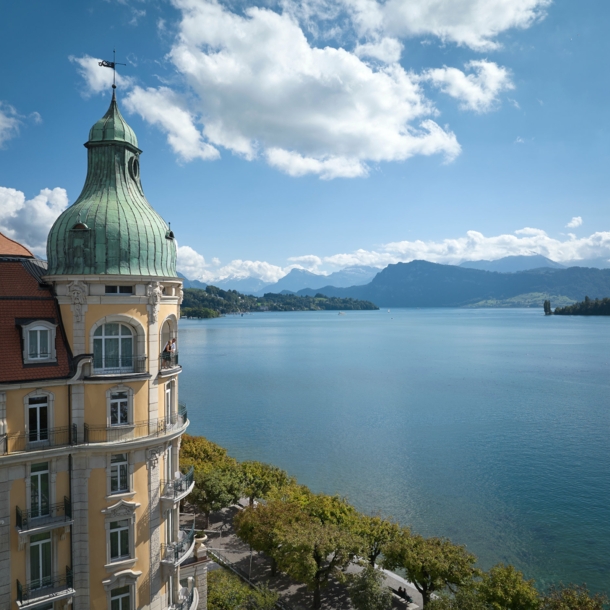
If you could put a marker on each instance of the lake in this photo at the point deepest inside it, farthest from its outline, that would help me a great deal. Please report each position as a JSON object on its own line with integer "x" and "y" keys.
{"x": 491, "y": 427}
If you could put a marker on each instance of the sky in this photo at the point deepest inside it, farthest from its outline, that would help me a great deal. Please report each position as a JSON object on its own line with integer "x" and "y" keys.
{"x": 321, "y": 134}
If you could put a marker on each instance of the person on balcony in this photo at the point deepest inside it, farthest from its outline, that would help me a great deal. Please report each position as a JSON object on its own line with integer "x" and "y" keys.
{"x": 166, "y": 355}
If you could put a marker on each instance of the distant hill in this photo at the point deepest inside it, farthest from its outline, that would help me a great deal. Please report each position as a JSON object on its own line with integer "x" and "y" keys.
{"x": 424, "y": 284}
{"x": 191, "y": 283}
{"x": 248, "y": 285}
{"x": 511, "y": 264}
{"x": 298, "y": 279}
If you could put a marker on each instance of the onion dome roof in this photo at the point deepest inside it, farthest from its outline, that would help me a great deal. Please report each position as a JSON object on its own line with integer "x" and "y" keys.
{"x": 111, "y": 228}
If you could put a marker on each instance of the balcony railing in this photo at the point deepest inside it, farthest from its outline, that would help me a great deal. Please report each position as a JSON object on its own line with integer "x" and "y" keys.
{"x": 40, "y": 439}
{"x": 118, "y": 365}
{"x": 175, "y": 552}
{"x": 45, "y": 586}
{"x": 130, "y": 432}
{"x": 45, "y": 514}
{"x": 168, "y": 360}
{"x": 178, "y": 488}
{"x": 185, "y": 603}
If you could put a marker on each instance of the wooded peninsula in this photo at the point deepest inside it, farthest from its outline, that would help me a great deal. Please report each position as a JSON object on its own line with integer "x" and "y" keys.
{"x": 212, "y": 302}
{"x": 588, "y": 307}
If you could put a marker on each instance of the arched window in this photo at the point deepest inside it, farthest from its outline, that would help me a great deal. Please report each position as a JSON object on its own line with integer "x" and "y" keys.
{"x": 113, "y": 348}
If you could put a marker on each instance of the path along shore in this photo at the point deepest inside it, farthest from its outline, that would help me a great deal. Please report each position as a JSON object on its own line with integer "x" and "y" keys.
{"x": 296, "y": 596}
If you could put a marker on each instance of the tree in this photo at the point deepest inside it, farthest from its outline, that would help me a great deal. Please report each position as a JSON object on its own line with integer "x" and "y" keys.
{"x": 376, "y": 533}
{"x": 466, "y": 598}
{"x": 431, "y": 564}
{"x": 228, "y": 592}
{"x": 572, "y": 598}
{"x": 260, "y": 479}
{"x": 367, "y": 592}
{"x": 259, "y": 526}
{"x": 547, "y": 308}
{"x": 199, "y": 450}
{"x": 504, "y": 588}
{"x": 216, "y": 487}
{"x": 311, "y": 552}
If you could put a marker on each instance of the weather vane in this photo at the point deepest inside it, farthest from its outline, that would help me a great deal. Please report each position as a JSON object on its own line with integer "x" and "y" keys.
{"x": 111, "y": 64}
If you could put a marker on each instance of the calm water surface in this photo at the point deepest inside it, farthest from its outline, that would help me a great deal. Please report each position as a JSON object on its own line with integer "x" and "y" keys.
{"x": 491, "y": 427}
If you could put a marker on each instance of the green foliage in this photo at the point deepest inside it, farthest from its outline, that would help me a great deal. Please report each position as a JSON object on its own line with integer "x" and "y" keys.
{"x": 547, "y": 308}
{"x": 367, "y": 592}
{"x": 431, "y": 564}
{"x": 466, "y": 598}
{"x": 572, "y": 598}
{"x": 588, "y": 307}
{"x": 198, "y": 312}
{"x": 195, "y": 449}
{"x": 227, "y": 592}
{"x": 197, "y": 301}
{"x": 376, "y": 533}
{"x": 260, "y": 479}
{"x": 504, "y": 588}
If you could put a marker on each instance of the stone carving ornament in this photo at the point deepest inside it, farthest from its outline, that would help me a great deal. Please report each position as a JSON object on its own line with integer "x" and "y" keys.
{"x": 154, "y": 292}
{"x": 77, "y": 291}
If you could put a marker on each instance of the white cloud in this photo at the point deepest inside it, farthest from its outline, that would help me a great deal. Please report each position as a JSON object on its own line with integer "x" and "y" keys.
{"x": 97, "y": 79}
{"x": 472, "y": 23}
{"x": 164, "y": 108}
{"x": 575, "y": 222}
{"x": 261, "y": 89}
{"x": 387, "y": 50}
{"x": 477, "y": 90}
{"x": 311, "y": 262}
{"x": 190, "y": 263}
{"x": 29, "y": 221}
{"x": 9, "y": 123}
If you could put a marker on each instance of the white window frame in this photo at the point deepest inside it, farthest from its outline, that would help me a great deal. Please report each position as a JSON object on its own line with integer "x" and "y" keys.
{"x": 130, "y": 410}
{"x": 119, "y": 338}
{"x": 50, "y": 412}
{"x": 122, "y": 527}
{"x": 124, "y": 492}
{"x": 37, "y": 326}
{"x": 122, "y": 510}
{"x": 122, "y": 596}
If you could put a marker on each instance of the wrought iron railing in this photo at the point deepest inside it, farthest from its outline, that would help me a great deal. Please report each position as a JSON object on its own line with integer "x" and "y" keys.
{"x": 175, "y": 551}
{"x": 118, "y": 365}
{"x": 129, "y": 432}
{"x": 40, "y": 586}
{"x": 182, "y": 410}
{"x": 39, "y": 439}
{"x": 168, "y": 360}
{"x": 44, "y": 514}
{"x": 176, "y": 487}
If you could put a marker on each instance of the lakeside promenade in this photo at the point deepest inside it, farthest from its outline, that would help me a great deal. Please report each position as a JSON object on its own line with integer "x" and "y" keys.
{"x": 295, "y": 596}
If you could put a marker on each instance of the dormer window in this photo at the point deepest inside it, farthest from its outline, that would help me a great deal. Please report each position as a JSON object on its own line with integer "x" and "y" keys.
{"x": 39, "y": 342}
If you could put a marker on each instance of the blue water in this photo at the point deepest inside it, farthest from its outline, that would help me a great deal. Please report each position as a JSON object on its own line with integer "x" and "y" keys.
{"x": 491, "y": 427}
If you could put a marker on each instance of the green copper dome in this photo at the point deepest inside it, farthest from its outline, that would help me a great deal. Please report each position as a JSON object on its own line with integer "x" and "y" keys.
{"x": 111, "y": 228}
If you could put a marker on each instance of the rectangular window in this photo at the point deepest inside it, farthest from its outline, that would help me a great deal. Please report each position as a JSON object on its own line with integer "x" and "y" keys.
{"x": 119, "y": 540}
{"x": 38, "y": 341}
{"x": 38, "y": 419}
{"x": 111, "y": 289}
{"x": 40, "y": 560}
{"x": 126, "y": 289}
{"x": 119, "y": 473}
{"x": 119, "y": 409}
{"x": 120, "y": 599}
{"x": 39, "y": 488}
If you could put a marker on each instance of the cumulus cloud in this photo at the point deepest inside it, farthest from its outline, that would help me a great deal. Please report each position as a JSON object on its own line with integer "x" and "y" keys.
{"x": 471, "y": 23}
{"x": 164, "y": 108}
{"x": 311, "y": 262}
{"x": 387, "y": 50}
{"x": 9, "y": 122}
{"x": 575, "y": 222}
{"x": 478, "y": 90}
{"x": 190, "y": 263}
{"x": 28, "y": 221}
{"x": 97, "y": 79}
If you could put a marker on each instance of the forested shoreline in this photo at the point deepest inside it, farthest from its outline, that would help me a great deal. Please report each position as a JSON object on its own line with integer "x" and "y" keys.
{"x": 588, "y": 307}
{"x": 213, "y": 301}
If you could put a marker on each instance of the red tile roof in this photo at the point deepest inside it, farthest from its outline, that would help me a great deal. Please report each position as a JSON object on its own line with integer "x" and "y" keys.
{"x": 9, "y": 247}
{"x": 23, "y": 297}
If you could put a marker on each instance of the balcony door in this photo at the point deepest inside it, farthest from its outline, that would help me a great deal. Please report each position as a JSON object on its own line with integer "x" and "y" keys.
{"x": 113, "y": 348}
{"x": 38, "y": 419}
{"x": 39, "y": 490}
{"x": 40, "y": 560}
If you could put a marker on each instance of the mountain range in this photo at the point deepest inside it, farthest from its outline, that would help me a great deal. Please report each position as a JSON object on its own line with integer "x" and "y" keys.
{"x": 510, "y": 264}
{"x": 424, "y": 284}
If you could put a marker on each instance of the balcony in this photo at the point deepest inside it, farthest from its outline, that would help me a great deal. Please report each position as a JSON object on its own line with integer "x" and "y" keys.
{"x": 41, "y": 439}
{"x": 45, "y": 517}
{"x": 178, "y": 488}
{"x": 168, "y": 363}
{"x": 131, "y": 432}
{"x": 174, "y": 553}
{"x": 45, "y": 590}
{"x": 187, "y": 600}
{"x": 119, "y": 365}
